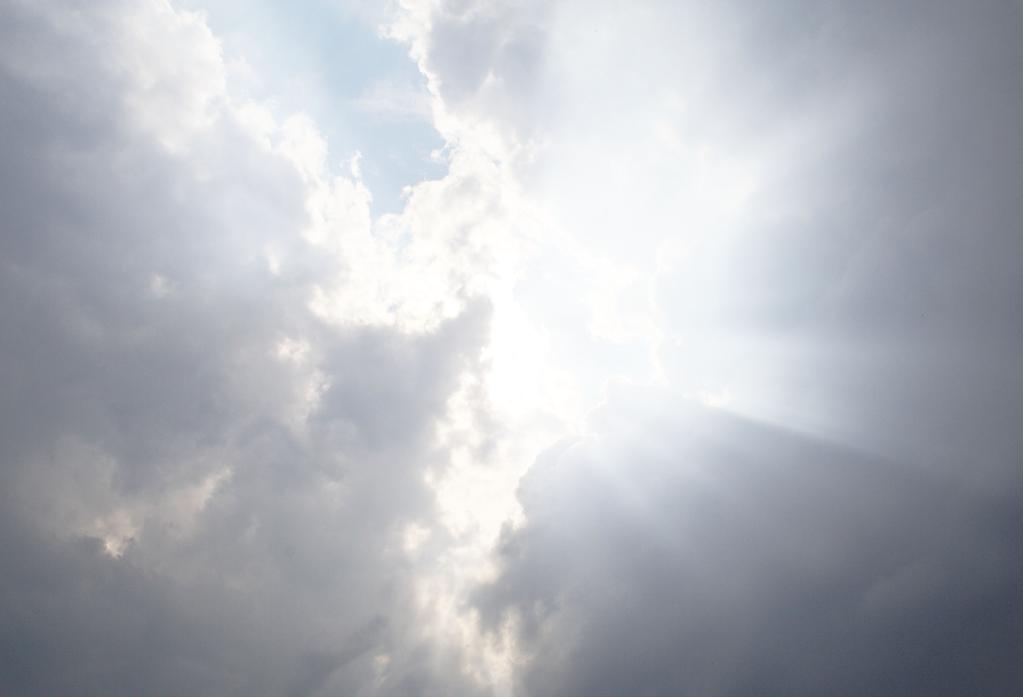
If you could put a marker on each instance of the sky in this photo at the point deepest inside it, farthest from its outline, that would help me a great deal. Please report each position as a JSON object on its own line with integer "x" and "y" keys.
{"x": 511, "y": 348}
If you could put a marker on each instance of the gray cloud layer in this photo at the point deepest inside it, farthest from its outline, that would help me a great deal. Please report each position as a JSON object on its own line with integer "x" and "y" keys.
{"x": 679, "y": 550}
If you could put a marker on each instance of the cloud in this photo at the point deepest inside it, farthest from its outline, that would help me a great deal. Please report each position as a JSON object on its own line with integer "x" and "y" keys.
{"x": 206, "y": 483}
{"x": 807, "y": 215}
{"x": 257, "y": 440}
{"x": 677, "y": 549}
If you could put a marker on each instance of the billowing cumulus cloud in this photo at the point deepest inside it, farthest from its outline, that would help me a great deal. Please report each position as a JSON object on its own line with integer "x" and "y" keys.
{"x": 207, "y": 480}
{"x": 695, "y": 369}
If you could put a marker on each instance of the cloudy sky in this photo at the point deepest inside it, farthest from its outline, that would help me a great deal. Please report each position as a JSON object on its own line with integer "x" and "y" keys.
{"x": 511, "y": 347}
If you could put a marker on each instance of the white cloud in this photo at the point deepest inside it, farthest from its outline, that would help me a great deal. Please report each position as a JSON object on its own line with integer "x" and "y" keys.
{"x": 212, "y": 483}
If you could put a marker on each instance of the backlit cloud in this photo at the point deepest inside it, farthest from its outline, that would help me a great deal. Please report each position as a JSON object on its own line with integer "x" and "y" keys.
{"x": 503, "y": 348}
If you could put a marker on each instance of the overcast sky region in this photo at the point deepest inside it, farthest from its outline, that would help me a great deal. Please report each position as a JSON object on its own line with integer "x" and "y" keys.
{"x": 511, "y": 348}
